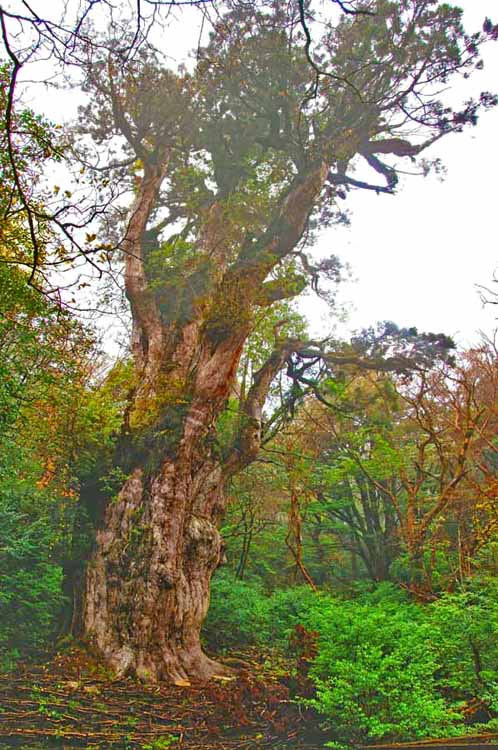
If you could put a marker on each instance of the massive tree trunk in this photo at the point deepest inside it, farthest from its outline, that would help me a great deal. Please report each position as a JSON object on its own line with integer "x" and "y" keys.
{"x": 147, "y": 584}
{"x": 147, "y": 587}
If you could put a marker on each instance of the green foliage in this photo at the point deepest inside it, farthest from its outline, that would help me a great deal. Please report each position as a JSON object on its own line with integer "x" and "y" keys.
{"x": 376, "y": 669}
{"x": 34, "y": 335}
{"x": 31, "y": 529}
{"x": 238, "y": 614}
{"x": 281, "y": 316}
{"x": 43, "y": 352}
{"x": 287, "y": 608}
{"x": 99, "y": 419}
{"x": 400, "y": 670}
{"x": 168, "y": 260}
{"x": 178, "y": 276}
{"x": 31, "y": 142}
{"x": 48, "y": 415}
{"x": 465, "y": 633}
{"x": 242, "y": 614}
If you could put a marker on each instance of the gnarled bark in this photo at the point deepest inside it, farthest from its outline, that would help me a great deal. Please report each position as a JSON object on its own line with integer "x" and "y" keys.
{"x": 147, "y": 590}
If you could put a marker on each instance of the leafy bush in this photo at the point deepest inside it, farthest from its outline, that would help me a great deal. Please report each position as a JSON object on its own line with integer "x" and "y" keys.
{"x": 286, "y": 609}
{"x": 465, "y": 633}
{"x": 30, "y": 578}
{"x": 238, "y": 615}
{"x": 376, "y": 671}
{"x": 241, "y": 614}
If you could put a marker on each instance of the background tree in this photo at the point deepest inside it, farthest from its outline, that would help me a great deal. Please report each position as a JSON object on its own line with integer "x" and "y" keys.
{"x": 44, "y": 376}
{"x": 49, "y": 412}
{"x": 450, "y": 489}
{"x": 349, "y": 506}
{"x": 405, "y": 471}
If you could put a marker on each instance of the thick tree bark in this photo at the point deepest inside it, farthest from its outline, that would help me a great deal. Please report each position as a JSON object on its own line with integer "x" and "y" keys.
{"x": 148, "y": 584}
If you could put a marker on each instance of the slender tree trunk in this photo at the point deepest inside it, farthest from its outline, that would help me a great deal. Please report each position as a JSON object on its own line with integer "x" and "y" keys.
{"x": 294, "y": 539}
{"x": 246, "y": 546}
{"x": 354, "y": 565}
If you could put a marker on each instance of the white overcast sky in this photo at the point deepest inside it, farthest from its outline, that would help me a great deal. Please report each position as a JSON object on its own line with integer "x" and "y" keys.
{"x": 416, "y": 257}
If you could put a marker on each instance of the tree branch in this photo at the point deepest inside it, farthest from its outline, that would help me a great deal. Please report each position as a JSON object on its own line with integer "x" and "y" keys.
{"x": 144, "y": 308}
{"x": 313, "y": 91}
{"x": 279, "y": 289}
{"x": 121, "y": 121}
{"x": 248, "y": 441}
{"x": 335, "y": 178}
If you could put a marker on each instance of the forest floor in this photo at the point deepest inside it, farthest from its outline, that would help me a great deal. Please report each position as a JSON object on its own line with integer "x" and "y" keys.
{"x": 71, "y": 701}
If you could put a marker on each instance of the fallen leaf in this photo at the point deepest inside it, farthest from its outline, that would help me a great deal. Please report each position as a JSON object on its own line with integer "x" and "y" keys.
{"x": 182, "y": 683}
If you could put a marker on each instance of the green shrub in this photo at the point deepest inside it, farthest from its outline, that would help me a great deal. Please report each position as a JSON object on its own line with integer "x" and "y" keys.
{"x": 376, "y": 671}
{"x": 30, "y": 577}
{"x": 385, "y": 667}
{"x": 286, "y": 609}
{"x": 238, "y": 614}
{"x": 465, "y": 633}
{"x": 241, "y": 614}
